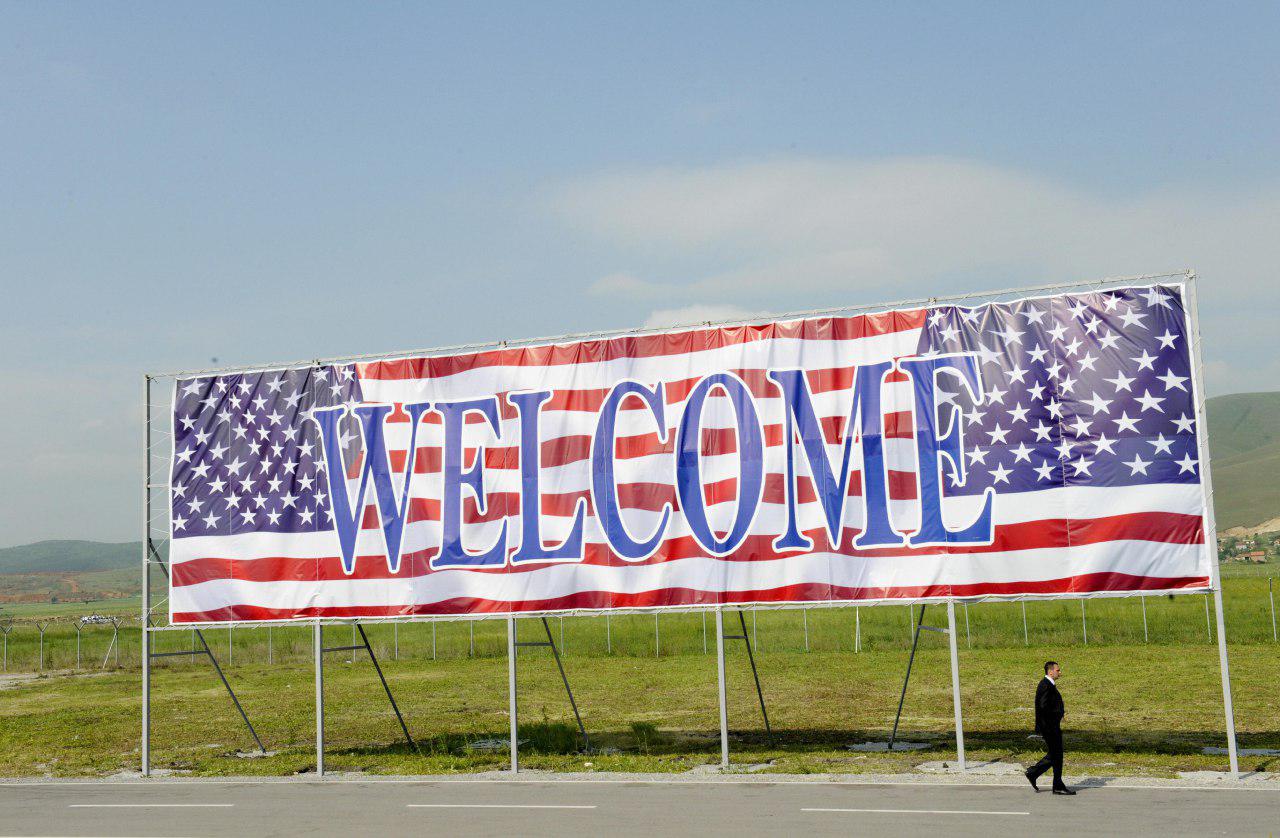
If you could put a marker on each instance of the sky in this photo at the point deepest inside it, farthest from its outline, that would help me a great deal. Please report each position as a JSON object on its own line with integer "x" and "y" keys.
{"x": 266, "y": 182}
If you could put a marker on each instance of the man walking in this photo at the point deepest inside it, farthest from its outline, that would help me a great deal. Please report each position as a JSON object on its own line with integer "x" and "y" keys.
{"x": 1049, "y": 713}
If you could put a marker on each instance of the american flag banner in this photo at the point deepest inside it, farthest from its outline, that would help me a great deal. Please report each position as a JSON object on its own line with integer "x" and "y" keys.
{"x": 1039, "y": 446}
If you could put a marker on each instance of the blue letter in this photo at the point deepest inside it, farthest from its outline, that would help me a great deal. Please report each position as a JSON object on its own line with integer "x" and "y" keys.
{"x": 452, "y": 553}
{"x": 528, "y": 406}
{"x": 865, "y": 419}
{"x": 931, "y": 447}
{"x": 750, "y": 462}
{"x": 604, "y": 492}
{"x": 347, "y": 516}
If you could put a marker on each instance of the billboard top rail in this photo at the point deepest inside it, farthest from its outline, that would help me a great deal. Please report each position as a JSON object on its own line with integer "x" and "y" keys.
{"x": 1185, "y": 273}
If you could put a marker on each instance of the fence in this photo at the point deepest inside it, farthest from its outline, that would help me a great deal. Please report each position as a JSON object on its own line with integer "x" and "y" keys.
{"x": 68, "y": 645}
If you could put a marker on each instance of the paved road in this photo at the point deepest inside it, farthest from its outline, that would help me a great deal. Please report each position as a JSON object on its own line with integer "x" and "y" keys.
{"x": 611, "y": 807}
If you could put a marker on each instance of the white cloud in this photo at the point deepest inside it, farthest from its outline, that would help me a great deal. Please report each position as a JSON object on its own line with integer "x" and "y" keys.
{"x": 686, "y": 315}
{"x": 797, "y": 233}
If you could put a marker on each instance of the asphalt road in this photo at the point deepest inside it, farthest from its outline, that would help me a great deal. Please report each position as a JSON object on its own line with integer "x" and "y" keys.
{"x": 490, "y": 807}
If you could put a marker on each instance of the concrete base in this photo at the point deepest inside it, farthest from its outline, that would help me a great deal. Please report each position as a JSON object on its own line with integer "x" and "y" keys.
{"x": 884, "y": 746}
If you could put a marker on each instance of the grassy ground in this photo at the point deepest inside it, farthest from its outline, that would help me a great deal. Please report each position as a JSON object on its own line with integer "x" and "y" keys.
{"x": 1151, "y": 715}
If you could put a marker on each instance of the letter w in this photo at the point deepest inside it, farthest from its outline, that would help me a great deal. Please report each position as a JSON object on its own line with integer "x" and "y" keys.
{"x": 348, "y": 512}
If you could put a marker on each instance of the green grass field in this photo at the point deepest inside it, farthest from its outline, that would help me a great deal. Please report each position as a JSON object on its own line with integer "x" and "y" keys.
{"x": 649, "y": 703}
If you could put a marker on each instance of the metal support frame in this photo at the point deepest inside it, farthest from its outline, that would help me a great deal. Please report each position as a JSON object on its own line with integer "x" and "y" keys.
{"x": 721, "y": 637}
{"x": 950, "y": 631}
{"x": 514, "y": 643}
{"x": 364, "y": 645}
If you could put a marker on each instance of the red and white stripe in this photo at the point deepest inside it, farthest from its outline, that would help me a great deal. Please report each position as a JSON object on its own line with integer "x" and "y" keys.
{"x": 1060, "y": 540}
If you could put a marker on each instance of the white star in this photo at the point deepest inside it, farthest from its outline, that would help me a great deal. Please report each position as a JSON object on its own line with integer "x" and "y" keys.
{"x": 970, "y": 315}
{"x": 937, "y": 316}
{"x": 1058, "y": 331}
{"x": 273, "y": 517}
{"x": 235, "y": 465}
{"x": 196, "y": 505}
{"x": 274, "y": 384}
{"x": 321, "y": 374}
{"x": 1001, "y": 474}
{"x": 210, "y": 521}
{"x": 1108, "y": 341}
{"x": 1073, "y": 347}
{"x": 287, "y": 500}
{"x": 1067, "y": 384}
{"x": 217, "y": 485}
{"x": 1036, "y": 391}
{"x": 1082, "y": 466}
{"x": 1079, "y": 308}
{"x": 1017, "y": 373}
{"x": 988, "y": 355}
{"x": 259, "y": 403}
{"x": 1044, "y": 470}
{"x": 247, "y": 515}
{"x": 1124, "y": 423}
{"x": 1104, "y": 444}
{"x": 1121, "y": 381}
{"x": 1110, "y": 301}
{"x": 209, "y": 400}
{"x": 1055, "y": 370}
{"x": 201, "y": 470}
{"x": 306, "y": 516}
{"x": 1137, "y": 465}
{"x": 1018, "y": 413}
{"x": 1055, "y": 408}
{"x": 1064, "y": 450}
{"x": 1009, "y": 334}
{"x": 240, "y": 431}
{"x": 1081, "y": 427}
{"x": 997, "y": 434}
{"x": 995, "y": 394}
{"x": 217, "y": 451}
{"x": 1161, "y": 445}
{"x": 180, "y": 491}
{"x": 1033, "y": 315}
{"x": 202, "y": 437}
{"x": 186, "y": 456}
{"x": 1038, "y": 354}
{"x": 273, "y": 485}
{"x": 977, "y": 455}
{"x": 305, "y": 449}
{"x": 1022, "y": 453}
{"x": 179, "y": 522}
{"x": 336, "y": 388}
{"x": 1172, "y": 381}
{"x": 1150, "y": 402}
{"x": 1146, "y": 362}
{"x": 233, "y": 501}
{"x": 1155, "y": 298}
{"x": 1098, "y": 403}
{"x": 244, "y": 387}
{"x": 1167, "y": 339}
{"x": 1091, "y": 325}
{"x": 304, "y": 483}
{"x": 948, "y": 333}
{"x": 1087, "y": 362}
{"x": 1042, "y": 432}
{"x": 193, "y": 387}
{"x": 274, "y": 418}
{"x": 1184, "y": 424}
{"x": 345, "y": 438}
{"x": 221, "y": 385}
{"x": 1186, "y": 465}
{"x": 188, "y": 422}
{"x": 1132, "y": 319}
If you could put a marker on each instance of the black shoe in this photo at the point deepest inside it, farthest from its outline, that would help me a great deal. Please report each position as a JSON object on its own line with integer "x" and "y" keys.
{"x": 1031, "y": 780}
{"x": 1063, "y": 790}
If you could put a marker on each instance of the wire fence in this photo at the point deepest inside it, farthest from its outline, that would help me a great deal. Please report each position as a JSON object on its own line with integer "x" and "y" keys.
{"x": 72, "y": 645}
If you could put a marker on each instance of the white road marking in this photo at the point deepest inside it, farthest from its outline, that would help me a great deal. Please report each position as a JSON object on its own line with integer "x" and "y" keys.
{"x": 150, "y": 805}
{"x": 492, "y": 806}
{"x": 917, "y": 811}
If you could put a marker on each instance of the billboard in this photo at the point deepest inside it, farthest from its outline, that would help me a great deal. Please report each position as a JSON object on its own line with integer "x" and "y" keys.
{"x": 1038, "y": 446}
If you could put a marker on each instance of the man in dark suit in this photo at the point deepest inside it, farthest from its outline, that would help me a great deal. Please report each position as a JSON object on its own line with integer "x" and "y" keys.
{"x": 1049, "y": 713}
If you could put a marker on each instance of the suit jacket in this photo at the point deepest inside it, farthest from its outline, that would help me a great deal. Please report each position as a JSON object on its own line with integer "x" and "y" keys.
{"x": 1049, "y": 708}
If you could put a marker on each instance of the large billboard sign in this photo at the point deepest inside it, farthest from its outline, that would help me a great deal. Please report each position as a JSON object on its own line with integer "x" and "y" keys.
{"x": 1039, "y": 446}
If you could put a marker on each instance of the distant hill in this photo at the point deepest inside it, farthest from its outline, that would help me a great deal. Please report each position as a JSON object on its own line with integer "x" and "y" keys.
{"x": 1244, "y": 440}
{"x": 69, "y": 557}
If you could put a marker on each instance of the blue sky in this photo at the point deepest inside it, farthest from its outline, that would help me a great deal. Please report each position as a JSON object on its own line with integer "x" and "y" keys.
{"x": 254, "y": 182}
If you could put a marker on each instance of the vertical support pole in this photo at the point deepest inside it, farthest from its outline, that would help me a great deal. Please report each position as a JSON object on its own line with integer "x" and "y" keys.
{"x": 968, "y": 641}
{"x": 955, "y": 683}
{"x": 395, "y": 635}
{"x": 1084, "y": 623}
{"x": 720, "y": 690}
{"x": 433, "y": 639}
{"x": 561, "y": 637}
{"x": 6, "y": 631}
{"x": 1271, "y": 596}
{"x": 77, "y": 644}
{"x": 704, "y": 627}
{"x": 755, "y": 640}
{"x": 40, "y": 627}
{"x": 805, "y": 612}
{"x": 586, "y": 743}
{"x": 115, "y": 640}
{"x": 471, "y": 624}
{"x": 318, "y": 643}
{"x": 1211, "y": 534}
{"x": 608, "y": 635}
{"x": 857, "y": 629}
{"x": 1207, "y": 627}
{"x": 146, "y": 576}
{"x": 1145, "y": 637}
{"x": 656, "y": 644}
{"x": 270, "y": 650}
{"x": 1026, "y": 635}
{"x": 511, "y": 694}
{"x": 230, "y": 654}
